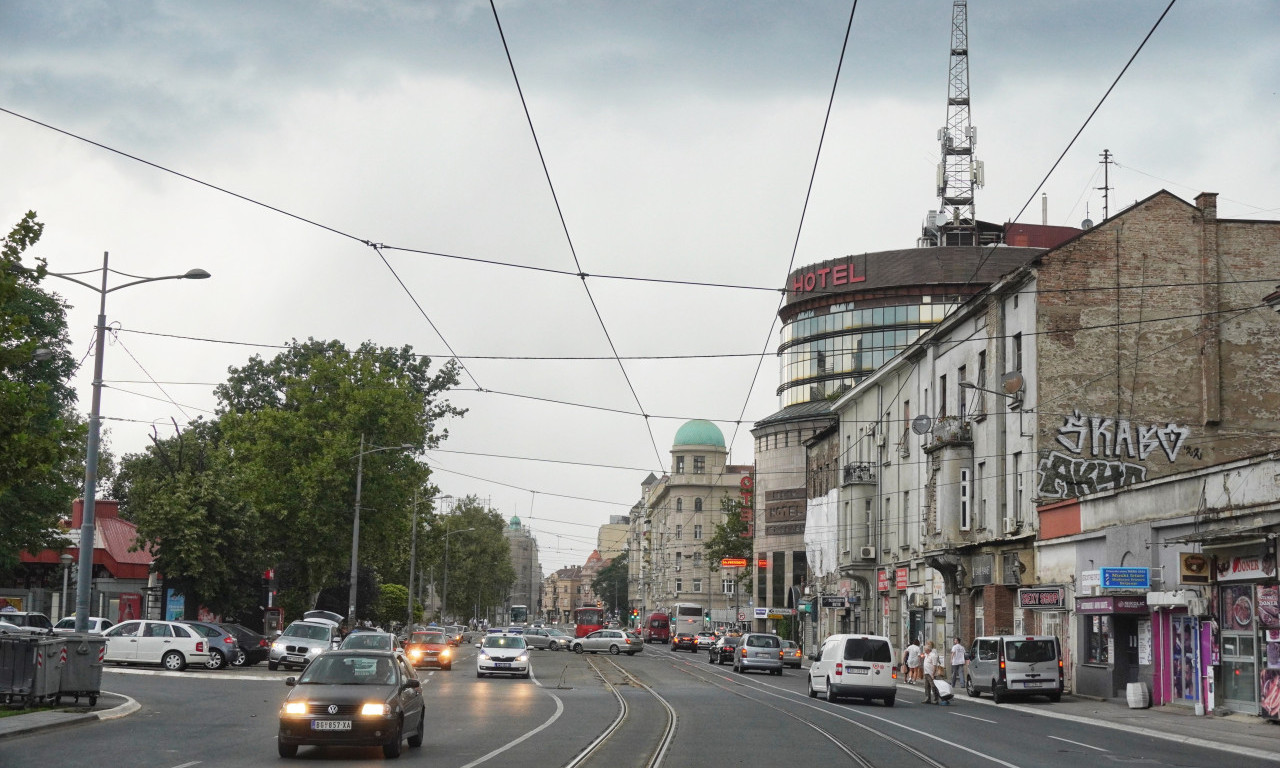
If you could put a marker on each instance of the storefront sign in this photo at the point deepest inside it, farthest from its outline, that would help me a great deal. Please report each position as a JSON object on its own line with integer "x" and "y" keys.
{"x": 1117, "y": 604}
{"x": 984, "y": 567}
{"x": 1255, "y": 565}
{"x": 762, "y": 563}
{"x": 833, "y": 601}
{"x": 733, "y": 562}
{"x": 1194, "y": 568}
{"x": 1125, "y": 578}
{"x": 1089, "y": 580}
{"x": 1043, "y": 598}
{"x": 1268, "y": 604}
{"x": 746, "y": 490}
{"x": 901, "y": 578}
{"x": 882, "y": 580}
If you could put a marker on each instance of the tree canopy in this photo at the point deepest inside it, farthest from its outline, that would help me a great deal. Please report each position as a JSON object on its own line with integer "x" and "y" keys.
{"x": 610, "y": 584}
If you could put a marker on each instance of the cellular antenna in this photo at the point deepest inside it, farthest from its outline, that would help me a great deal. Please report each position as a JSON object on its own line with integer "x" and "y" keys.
{"x": 959, "y": 174}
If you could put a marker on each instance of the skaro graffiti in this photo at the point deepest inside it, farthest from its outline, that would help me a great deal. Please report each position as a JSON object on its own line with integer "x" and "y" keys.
{"x": 1109, "y": 441}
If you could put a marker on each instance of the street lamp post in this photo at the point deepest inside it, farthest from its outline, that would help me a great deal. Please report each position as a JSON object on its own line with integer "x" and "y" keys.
{"x": 84, "y": 576}
{"x": 355, "y": 526}
{"x": 413, "y": 557}
{"x": 444, "y": 596}
{"x": 66, "y": 561}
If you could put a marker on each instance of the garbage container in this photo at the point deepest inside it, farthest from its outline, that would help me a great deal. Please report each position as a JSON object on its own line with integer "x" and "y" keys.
{"x": 82, "y": 672}
{"x": 30, "y": 667}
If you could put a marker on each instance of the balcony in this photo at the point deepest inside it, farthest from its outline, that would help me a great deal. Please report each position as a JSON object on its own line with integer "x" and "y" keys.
{"x": 950, "y": 430}
{"x": 858, "y": 474}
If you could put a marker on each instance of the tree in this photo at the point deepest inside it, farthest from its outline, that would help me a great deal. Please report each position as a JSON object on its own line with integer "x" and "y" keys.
{"x": 189, "y": 508}
{"x": 730, "y": 539}
{"x": 392, "y": 605}
{"x": 295, "y": 424}
{"x": 610, "y": 584}
{"x": 40, "y": 434}
{"x": 479, "y": 567}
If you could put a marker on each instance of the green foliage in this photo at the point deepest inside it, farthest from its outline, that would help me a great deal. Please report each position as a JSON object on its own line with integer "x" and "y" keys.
{"x": 295, "y": 425}
{"x": 479, "y": 561}
{"x": 729, "y": 539}
{"x": 392, "y": 605}
{"x": 611, "y": 584}
{"x": 40, "y": 435}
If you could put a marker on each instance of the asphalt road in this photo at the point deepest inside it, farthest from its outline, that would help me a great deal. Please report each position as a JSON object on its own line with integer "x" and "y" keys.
{"x": 229, "y": 718}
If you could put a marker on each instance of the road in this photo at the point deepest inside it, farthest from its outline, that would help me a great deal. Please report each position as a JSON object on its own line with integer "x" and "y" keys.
{"x": 656, "y": 708}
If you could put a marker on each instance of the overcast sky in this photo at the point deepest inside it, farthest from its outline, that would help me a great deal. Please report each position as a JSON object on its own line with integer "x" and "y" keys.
{"x": 679, "y": 138}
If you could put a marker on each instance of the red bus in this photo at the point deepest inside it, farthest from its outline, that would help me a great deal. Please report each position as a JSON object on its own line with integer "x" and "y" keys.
{"x": 587, "y": 619}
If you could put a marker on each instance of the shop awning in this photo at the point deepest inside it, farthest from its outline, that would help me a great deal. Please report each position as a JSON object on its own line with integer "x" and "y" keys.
{"x": 1227, "y": 534}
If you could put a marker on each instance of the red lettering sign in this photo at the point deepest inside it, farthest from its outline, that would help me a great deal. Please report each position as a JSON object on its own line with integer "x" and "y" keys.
{"x": 882, "y": 581}
{"x": 825, "y": 277}
{"x": 902, "y": 579}
{"x": 733, "y": 562}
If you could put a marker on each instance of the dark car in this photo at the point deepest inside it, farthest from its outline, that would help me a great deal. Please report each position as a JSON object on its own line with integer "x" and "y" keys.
{"x": 685, "y": 640}
{"x": 224, "y": 647}
{"x": 253, "y": 646}
{"x": 353, "y": 698}
{"x": 724, "y": 649}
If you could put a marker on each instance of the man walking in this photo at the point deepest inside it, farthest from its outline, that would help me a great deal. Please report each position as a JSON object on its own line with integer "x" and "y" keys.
{"x": 911, "y": 658}
{"x": 929, "y": 664}
{"x": 957, "y": 664}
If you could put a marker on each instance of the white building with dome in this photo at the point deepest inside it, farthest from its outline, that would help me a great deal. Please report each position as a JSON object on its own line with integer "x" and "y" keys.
{"x": 677, "y": 513}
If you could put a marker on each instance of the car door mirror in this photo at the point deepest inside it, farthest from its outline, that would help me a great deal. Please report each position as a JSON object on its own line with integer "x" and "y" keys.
{"x": 814, "y": 657}
{"x": 477, "y": 645}
{"x": 291, "y": 681}
{"x": 413, "y": 682}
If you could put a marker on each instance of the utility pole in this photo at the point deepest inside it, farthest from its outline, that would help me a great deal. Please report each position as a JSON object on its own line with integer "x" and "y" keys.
{"x": 1106, "y": 183}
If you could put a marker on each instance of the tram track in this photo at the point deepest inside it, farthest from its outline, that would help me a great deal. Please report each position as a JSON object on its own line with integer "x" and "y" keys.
{"x": 616, "y": 740}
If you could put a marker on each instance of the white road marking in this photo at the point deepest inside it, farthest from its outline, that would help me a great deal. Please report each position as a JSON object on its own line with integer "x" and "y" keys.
{"x": 971, "y": 717}
{"x": 527, "y": 735}
{"x": 1080, "y": 744}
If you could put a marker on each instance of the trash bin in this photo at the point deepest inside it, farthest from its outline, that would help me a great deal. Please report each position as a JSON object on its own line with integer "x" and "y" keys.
{"x": 30, "y": 668}
{"x": 82, "y": 670}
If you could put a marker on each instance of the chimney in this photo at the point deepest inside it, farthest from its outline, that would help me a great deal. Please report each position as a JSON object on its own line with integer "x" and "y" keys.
{"x": 1207, "y": 202}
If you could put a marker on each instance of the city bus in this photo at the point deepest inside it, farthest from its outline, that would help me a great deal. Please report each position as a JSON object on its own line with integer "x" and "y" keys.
{"x": 587, "y": 619}
{"x": 686, "y": 618}
{"x": 519, "y": 615}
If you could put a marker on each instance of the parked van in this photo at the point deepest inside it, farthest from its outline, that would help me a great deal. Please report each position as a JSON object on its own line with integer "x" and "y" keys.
{"x": 657, "y": 628}
{"x": 858, "y": 666}
{"x": 1015, "y": 665}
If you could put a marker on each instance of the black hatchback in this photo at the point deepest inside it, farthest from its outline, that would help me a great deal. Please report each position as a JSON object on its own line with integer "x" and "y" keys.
{"x": 253, "y": 646}
{"x": 724, "y": 649}
{"x": 353, "y": 698}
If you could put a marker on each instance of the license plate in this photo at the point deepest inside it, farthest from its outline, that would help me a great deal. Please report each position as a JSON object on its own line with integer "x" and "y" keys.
{"x": 296, "y": 659}
{"x": 501, "y": 664}
{"x": 856, "y": 670}
{"x": 330, "y": 725}
{"x": 1033, "y": 683}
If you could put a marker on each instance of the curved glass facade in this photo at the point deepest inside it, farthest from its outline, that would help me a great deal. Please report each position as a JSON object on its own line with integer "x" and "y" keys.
{"x": 827, "y": 350}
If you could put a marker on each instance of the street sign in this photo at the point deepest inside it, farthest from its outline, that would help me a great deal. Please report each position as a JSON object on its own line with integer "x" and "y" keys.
{"x": 742, "y": 615}
{"x": 834, "y": 601}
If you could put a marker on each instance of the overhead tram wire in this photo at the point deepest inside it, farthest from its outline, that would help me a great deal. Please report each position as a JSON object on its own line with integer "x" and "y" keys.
{"x": 1031, "y": 198}
{"x": 565, "y": 227}
{"x": 795, "y": 246}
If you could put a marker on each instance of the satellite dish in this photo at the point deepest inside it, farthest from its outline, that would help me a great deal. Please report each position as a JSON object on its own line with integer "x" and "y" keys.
{"x": 1086, "y": 224}
{"x": 921, "y": 424}
{"x": 1013, "y": 383}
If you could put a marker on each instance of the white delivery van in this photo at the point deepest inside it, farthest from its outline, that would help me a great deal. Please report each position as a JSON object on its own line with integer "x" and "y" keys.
{"x": 1015, "y": 665}
{"x": 857, "y": 666}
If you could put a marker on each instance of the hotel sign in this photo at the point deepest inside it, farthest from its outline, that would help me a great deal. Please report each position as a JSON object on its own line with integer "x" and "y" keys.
{"x": 825, "y": 277}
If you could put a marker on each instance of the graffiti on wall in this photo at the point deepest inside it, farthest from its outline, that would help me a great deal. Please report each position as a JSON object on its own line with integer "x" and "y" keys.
{"x": 1100, "y": 454}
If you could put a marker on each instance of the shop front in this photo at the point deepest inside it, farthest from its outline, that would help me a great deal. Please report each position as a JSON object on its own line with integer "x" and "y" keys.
{"x": 1113, "y": 631}
{"x": 1247, "y": 608}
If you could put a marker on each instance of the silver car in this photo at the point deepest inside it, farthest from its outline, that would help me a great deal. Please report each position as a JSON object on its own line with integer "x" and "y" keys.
{"x": 759, "y": 651}
{"x": 301, "y": 642}
{"x": 614, "y": 641}
{"x": 547, "y": 639}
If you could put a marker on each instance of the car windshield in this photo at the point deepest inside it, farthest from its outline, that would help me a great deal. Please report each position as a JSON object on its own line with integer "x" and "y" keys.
{"x": 436, "y": 638}
{"x": 762, "y": 641}
{"x": 336, "y": 669}
{"x": 309, "y": 631}
{"x": 867, "y": 649}
{"x": 504, "y": 641}
{"x": 368, "y": 640}
{"x": 1028, "y": 651}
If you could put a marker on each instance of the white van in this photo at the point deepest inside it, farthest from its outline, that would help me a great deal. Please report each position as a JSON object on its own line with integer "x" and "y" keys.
{"x": 1015, "y": 665}
{"x": 859, "y": 666}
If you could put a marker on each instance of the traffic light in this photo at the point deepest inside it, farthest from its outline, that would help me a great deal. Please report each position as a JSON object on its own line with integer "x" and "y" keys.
{"x": 706, "y": 615}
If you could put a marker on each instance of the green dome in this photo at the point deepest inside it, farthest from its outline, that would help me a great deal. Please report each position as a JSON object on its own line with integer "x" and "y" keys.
{"x": 699, "y": 432}
{"x": 515, "y": 523}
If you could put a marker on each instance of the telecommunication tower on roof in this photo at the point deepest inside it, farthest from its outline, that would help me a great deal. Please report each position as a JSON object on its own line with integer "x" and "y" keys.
{"x": 959, "y": 173}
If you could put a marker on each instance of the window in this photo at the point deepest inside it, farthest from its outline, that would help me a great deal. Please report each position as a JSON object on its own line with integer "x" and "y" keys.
{"x": 678, "y": 559}
{"x": 981, "y": 506}
{"x": 726, "y": 586}
{"x": 697, "y": 532}
{"x": 965, "y": 490}
{"x": 979, "y": 401}
{"x": 960, "y": 393}
{"x": 906, "y": 425}
{"x": 904, "y": 542}
{"x": 697, "y": 559}
{"x": 697, "y": 585}
{"x": 942, "y": 396}
{"x": 1097, "y": 639}
{"x": 884, "y": 521}
{"x": 1017, "y": 486}
{"x": 699, "y": 464}
{"x": 679, "y": 532}
{"x": 679, "y": 505}
{"x": 697, "y": 505}
{"x": 979, "y": 625}
{"x": 679, "y": 465}
{"x": 679, "y": 585}
{"x": 1017, "y": 352}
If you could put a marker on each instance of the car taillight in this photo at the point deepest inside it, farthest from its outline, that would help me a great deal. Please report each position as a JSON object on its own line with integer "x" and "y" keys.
{"x": 200, "y": 647}
{"x": 229, "y": 640}
{"x": 839, "y": 668}
{"x": 744, "y": 653}
{"x": 264, "y": 643}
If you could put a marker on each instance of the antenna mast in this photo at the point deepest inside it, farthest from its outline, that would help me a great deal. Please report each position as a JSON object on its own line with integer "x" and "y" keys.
{"x": 958, "y": 173}
{"x": 1106, "y": 183}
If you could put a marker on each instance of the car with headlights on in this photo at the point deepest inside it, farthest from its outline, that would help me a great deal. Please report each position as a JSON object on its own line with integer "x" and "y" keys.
{"x": 503, "y": 655}
{"x": 353, "y": 698}
{"x": 302, "y": 641}
{"x": 724, "y": 649}
{"x": 454, "y": 634}
{"x": 613, "y": 641}
{"x": 429, "y": 648}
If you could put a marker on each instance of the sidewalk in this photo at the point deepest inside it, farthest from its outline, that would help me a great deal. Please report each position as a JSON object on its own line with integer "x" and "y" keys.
{"x": 1239, "y": 734}
{"x": 109, "y": 707}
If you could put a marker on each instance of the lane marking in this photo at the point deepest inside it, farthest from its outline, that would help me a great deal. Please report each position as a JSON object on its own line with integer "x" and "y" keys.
{"x": 1079, "y": 744}
{"x": 521, "y": 739}
{"x": 972, "y": 717}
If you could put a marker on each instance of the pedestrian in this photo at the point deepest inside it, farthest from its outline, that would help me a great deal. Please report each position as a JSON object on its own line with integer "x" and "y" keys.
{"x": 911, "y": 658}
{"x": 929, "y": 664}
{"x": 957, "y": 663}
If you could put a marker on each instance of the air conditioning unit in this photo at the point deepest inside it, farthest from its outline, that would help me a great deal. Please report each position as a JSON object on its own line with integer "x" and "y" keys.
{"x": 1011, "y": 525}
{"x": 880, "y": 439}
{"x": 867, "y": 553}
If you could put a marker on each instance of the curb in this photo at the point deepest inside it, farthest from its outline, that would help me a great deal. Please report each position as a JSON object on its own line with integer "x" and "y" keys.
{"x": 36, "y": 722}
